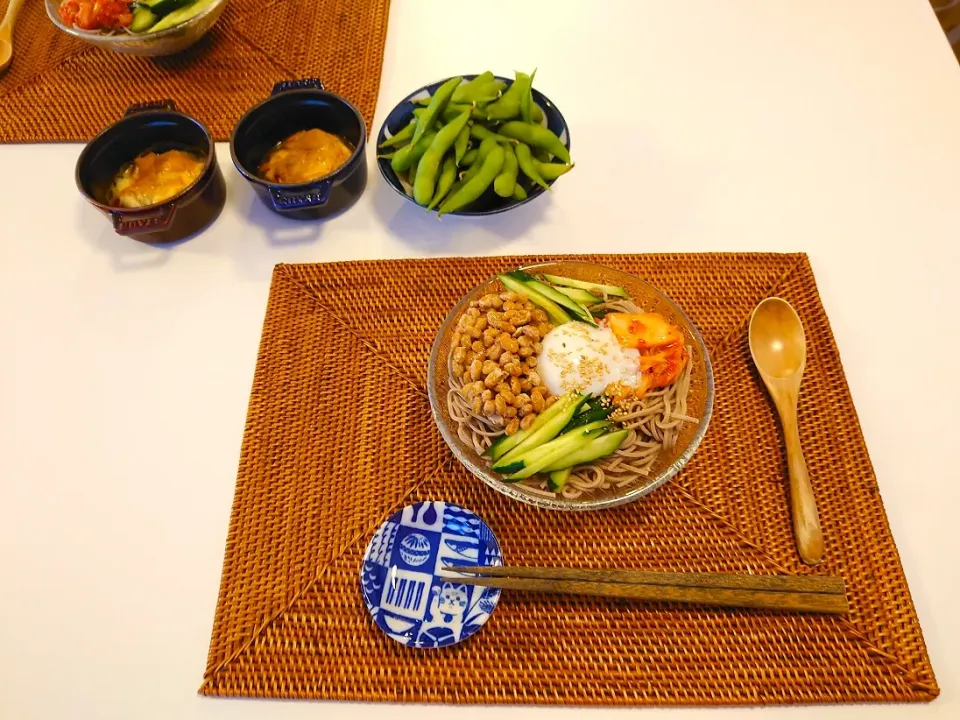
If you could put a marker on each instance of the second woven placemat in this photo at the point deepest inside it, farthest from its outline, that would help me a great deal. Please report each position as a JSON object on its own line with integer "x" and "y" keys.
{"x": 339, "y": 435}
{"x": 61, "y": 89}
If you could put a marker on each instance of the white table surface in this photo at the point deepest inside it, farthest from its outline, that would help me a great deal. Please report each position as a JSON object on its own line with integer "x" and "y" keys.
{"x": 827, "y": 127}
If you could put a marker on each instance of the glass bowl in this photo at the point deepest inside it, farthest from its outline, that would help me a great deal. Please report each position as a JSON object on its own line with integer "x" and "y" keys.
{"x": 166, "y": 42}
{"x": 699, "y": 401}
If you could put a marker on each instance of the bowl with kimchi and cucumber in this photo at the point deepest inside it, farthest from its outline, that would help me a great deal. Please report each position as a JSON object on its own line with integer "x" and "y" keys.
{"x": 570, "y": 385}
{"x": 137, "y": 27}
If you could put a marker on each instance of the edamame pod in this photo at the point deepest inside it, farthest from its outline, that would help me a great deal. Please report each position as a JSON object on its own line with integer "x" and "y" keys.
{"x": 469, "y": 158}
{"x": 447, "y": 177}
{"x": 461, "y": 144}
{"x": 437, "y": 103}
{"x": 469, "y": 85}
{"x": 507, "y": 179}
{"x": 438, "y": 123}
{"x": 536, "y": 136}
{"x": 412, "y": 174}
{"x": 526, "y": 102}
{"x": 481, "y": 133}
{"x": 430, "y": 162}
{"x": 400, "y": 138}
{"x": 525, "y": 160}
{"x": 484, "y": 92}
{"x": 551, "y": 171}
{"x": 409, "y": 154}
{"x": 476, "y": 186}
{"x": 508, "y": 106}
{"x": 486, "y": 147}
{"x": 519, "y": 193}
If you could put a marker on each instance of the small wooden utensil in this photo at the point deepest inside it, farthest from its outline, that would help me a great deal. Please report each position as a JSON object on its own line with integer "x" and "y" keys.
{"x": 769, "y": 592}
{"x": 6, "y": 34}
{"x": 779, "y": 350}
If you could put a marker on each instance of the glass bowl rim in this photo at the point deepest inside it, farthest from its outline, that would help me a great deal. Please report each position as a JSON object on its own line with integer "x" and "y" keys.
{"x": 123, "y": 38}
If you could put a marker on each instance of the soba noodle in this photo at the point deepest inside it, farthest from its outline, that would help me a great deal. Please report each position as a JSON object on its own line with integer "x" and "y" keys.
{"x": 654, "y": 422}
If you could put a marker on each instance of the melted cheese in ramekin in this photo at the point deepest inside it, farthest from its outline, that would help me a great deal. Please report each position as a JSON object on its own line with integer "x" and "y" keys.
{"x": 153, "y": 178}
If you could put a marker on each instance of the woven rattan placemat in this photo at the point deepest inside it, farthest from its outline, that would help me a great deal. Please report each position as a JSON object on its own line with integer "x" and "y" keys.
{"x": 62, "y": 89}
{"x": 339, "y": 435}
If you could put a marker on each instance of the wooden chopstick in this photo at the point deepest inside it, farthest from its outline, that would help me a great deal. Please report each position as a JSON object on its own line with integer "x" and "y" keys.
{"x": 776, "y": 583}
{"x": 707, "y": 589}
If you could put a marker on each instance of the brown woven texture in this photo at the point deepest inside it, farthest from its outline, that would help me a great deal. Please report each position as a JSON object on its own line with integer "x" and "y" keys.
{"x": 61, "y": 89}
{"x": 339, "y": 435}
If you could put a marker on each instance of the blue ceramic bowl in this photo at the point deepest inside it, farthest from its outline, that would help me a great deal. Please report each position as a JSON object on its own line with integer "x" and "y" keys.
{"x": 489, "y": 203}
{"x": 155, "y": 127}
{"x": 296, "y": 105}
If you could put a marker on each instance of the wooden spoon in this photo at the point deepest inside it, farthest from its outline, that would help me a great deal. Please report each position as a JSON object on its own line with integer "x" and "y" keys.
{"x": 779, "y": 350}
{"x": 6, "y": 34}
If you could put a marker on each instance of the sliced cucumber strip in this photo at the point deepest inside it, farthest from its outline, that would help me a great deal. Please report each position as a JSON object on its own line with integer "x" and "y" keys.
{"x": 554, "y": 451}
{"x": 588, "y": 286}
{"x": 570, "y": 306}
{"x": 181, "y": 15}
{"x": 558, "y": 478}
{"x": 557, "y": 315}
{"x": 143, "y": 20}
{"x": 544, "y": 434}
{"x": 593, "y": 414}
{"x": 506, "y": 443}
{"x": 594, "y": 450}
{"x": 581, "y": 296}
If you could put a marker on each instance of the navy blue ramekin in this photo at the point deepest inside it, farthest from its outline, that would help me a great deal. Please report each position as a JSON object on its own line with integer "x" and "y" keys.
{"x": 296, "y": 105}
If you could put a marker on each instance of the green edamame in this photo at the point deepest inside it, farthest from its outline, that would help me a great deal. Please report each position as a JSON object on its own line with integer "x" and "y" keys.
{"x": 525, "y": 160}
{"x": 437, "y": 124}
{"x": 536, "y": 136}
{"x": 437, "y": 103}
{"x": 409, "y": 154}
{"x": 483, "y": 92}
{"x": 477, "y": 185}
{"x": 504, "y": 183}
{"x": 454, "y": 189}
{"x": 461, "y": 144}
{"x": 480, "y": 79}
{"x": 447, "y": 177}
{"x": 486, "y": 147}
{"x": 479, "y": 132}
{"x": 454, "y": 109}
{"x": 536, "y": 114}
{"x": 400, "y": 138}
{"x": 508, "y": 106}
{"x": 551, "y": 171}
{"x": 446, "y": 148}
{"x": 430, "y": 162}
{"x": 412, "y": 173}
{"x": 526, "y": 102}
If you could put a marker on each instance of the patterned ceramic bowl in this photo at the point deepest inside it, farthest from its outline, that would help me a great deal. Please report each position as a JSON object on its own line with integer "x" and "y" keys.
{"x": 699, "y": 399}
{"x": 165, "y": 42}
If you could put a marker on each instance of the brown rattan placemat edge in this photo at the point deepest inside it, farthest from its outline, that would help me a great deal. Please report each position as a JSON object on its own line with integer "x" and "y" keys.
{"x": 290, "y": 622}
{"x": 60, "y": 89}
